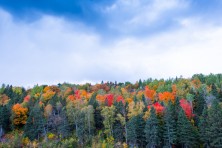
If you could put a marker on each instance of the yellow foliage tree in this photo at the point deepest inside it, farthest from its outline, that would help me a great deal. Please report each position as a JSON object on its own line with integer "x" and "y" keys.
{"x": 135, "y": 109}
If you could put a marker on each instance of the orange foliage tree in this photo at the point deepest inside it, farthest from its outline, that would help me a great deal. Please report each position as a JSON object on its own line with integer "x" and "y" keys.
{"x": 100, "y": 98}
{"x": 149, "y": 93}
{"x": 19, "y": 115}
{"x": 166, "y": 96}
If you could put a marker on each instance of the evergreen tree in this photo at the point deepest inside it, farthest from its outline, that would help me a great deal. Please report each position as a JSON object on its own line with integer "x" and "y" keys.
{"x": 118, "y": 131}
{"x": 98, "y": 119}
{"x": 214, "y": 91}
{"x": 200, "y": 103}
{"x": 5, "y": 119}
{"x": 177, "y": 108}
{"x": 203, "y": 124}
{"x": 185, "y": 130}
{"x": 170, "y": 130}
{"x": 35, "y": 125}
{"x": 131, "y": 131}
{"x": 80, "y": 131}
{"x": 140, "y": 125}
{"x": 63, "y": 126}
{"x": 214, "y": 127}
{"x": 152, "y": 130}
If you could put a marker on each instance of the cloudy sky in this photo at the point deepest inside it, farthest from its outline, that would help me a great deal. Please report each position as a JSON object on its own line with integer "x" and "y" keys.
{"x": 76, "y": 41}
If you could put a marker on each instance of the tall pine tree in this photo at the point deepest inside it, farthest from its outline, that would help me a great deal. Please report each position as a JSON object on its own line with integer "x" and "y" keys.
{"x": 214, "y": 127}
{"x": 185, "y": 130}
{"x": 152, "y": 130}
{"x": 170, "y": 131}
{"x": 35, "y": 125}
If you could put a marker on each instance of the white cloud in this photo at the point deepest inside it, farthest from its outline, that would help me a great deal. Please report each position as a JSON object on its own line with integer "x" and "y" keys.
{"x": 52, "y": 50}
{"x": 133, "y": 15}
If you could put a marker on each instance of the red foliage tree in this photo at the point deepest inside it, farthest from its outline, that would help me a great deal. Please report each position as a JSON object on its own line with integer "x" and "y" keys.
{"x": 186, "y": 107}
{"x": 158, "y": 107}
{"x": 27, "y": 98}
{"x": 109, "y": 98}
{"x": 77, "y": 94}
{"x": 120, "y": 98}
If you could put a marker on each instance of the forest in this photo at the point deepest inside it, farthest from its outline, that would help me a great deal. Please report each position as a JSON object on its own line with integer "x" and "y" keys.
{"x": 152, "y": 113}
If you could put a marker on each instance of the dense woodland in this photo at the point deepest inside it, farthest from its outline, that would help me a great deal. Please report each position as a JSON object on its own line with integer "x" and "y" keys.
{"x": 177, "y": 112}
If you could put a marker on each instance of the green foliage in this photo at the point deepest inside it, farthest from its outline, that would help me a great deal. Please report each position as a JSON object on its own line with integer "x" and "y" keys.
{"x": 131, "y": 131}
{"x": 35, "y": 125}
{"x": 152, "y": 130}
{"x": 170, "y": 131}
{"x": 185, "y": 130}
{"x": 75, "y": 116}
{"x": 108, "y": 114}
{"x": 214, "y": 125}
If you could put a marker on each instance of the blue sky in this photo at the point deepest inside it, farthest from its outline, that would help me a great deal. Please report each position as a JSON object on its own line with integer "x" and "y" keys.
{"x": 50, "y": 42}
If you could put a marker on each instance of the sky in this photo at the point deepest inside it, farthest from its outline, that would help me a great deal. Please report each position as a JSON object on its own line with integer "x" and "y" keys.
{"x": 78, "y": 41}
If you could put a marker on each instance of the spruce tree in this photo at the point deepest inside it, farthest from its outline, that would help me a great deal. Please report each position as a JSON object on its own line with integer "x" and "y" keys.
{"x": 185, "y": 130}
{"x": 131, "y": 131}
{"x": 200, "y": 103}
{"x": 63, "y": 129}
{"x": 170, "y": 131}
{"x": 214, "y": 128}
{"x": 152, "y": 130}
{"x": 4, "y": 118}
{"x": 140, "y": 125}
{"x": 118, "y": 131}
{"x": 214, "y": 91}
{"x": 203, "y": 124}
{"x": 35, "y": 125}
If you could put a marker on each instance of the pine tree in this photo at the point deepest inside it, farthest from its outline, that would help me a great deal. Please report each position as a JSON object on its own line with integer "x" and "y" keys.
{"x": 214, "y": 91}
{"x": 177, "y": 108}
{"x": 169, "y": 134}
{"x": 118, "y": 131}
{"x": 5, "y": 119}
{"x": 185, "y": 130}
{"x": 214, "y": 128}
{"x": 140, "y": 125}
{"x": 80, "y": 131}
{"x": 121, "y": 116}
{"x": 152, "y": 130}
{"x": 63, "y": 129}
{"x": 204, "y": 137}
{"x": 131, "y": 131}
{"x": 35, "y": 125}
{"x": 200, "y": 103}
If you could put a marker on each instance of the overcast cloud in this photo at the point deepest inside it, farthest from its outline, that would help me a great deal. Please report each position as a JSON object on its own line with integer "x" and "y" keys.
{"x": 128, "y": 40}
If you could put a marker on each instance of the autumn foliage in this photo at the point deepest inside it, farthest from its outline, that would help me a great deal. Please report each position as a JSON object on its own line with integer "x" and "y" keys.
{"x": 19, "y": 115}
{"x": 120, "y": 98}
{"x": 186, "y": 107}
{"x": 150, "y": 93}
{"x": 158, "y": 107}
{"x": 166, "y": 96}
{"x": 4, "y": 99}
{"x": 110, "y": 99}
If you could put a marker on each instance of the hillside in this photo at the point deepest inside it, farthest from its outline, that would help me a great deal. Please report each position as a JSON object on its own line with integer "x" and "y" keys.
{"x": 177, "y": 112}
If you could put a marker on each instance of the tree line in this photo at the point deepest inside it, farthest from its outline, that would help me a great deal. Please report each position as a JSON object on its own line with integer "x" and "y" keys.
{"x": 176, "y": 112}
